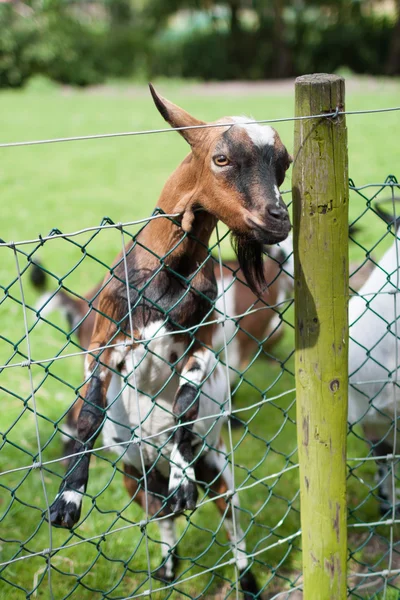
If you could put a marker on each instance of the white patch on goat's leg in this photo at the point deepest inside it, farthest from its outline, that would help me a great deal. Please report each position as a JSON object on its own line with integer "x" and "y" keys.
{"x": 72, "y": 496}
{"x": 196, "y": 370}
{"x": 168, "y": 543}
{"x": 180, "y": 472}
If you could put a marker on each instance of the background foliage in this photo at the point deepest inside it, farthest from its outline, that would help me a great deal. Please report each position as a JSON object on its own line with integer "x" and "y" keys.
{"x": 87, "y": 42}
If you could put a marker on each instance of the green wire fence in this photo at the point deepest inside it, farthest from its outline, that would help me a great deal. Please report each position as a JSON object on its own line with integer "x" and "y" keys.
{"x": 105, "y": 554}
{"x": 115, "y": 550}
{"x": 373, "y": 537}
{"x": 112, "y": 527}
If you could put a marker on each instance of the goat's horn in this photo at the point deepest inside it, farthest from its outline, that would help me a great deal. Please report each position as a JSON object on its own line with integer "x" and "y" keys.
{"x": 177, "y": 117}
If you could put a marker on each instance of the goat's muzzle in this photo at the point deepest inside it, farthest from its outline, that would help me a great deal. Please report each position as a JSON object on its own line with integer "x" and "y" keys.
{"x": 249, "y": 246}
{"x": 274, "y": 228}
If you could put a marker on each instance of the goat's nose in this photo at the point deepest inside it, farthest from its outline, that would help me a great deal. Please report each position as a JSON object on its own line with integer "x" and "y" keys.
{"x": 277, "y": 212}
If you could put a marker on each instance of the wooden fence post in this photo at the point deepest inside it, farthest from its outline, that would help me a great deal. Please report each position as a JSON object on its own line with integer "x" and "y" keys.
{"x": 320, "y": 236}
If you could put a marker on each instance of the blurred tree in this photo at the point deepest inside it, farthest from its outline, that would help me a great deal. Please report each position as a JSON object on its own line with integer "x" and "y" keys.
{"x": 267, "y": 12}
{"x": 393, "y": 61}
{"x": 120, "y": 11}
{"x": 82, "y": 42}
{"x": 273, "y": 13}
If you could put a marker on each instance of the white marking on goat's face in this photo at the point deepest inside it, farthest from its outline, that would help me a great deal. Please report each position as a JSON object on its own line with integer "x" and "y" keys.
{"x": 249, "y": 162}
{"x": 260, "y": 135}
{"x": 277, "y": 195}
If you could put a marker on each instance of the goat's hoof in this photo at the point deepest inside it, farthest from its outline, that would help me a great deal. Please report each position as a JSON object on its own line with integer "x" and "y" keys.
{"x": 249, "y": 586}
{"x": 185, "y": 497}
{"x": 66, "y": 509}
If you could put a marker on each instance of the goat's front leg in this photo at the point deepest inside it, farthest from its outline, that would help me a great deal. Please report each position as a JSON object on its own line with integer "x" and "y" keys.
{"x": 182, "y": 485}
{"x": 66, "y": 508}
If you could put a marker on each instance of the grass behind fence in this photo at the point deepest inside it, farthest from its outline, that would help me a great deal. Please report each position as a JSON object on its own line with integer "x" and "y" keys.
{"x": 74, "y": 185}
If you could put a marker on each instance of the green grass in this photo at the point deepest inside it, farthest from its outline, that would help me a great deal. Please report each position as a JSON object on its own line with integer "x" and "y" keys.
{"x": 74, "y": 185}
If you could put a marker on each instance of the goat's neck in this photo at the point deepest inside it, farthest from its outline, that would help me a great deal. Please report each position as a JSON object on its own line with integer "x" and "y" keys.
{"x": 164, "y": 238}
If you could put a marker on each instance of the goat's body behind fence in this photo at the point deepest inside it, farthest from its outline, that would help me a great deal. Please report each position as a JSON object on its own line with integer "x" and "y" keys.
{"x": 173, "y": 397}
{"x": 374, "y": 397}
{"x": 374, "y": 343}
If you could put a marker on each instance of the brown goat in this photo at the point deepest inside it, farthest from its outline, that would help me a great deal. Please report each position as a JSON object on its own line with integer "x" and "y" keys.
{"x": 156, "y": 389}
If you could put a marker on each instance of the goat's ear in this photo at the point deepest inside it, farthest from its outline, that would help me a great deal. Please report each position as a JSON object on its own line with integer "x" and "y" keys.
{"x": 177, "y": 117}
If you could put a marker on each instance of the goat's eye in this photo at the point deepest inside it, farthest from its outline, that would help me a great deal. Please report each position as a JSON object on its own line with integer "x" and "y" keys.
{"x": 221, "y": 160}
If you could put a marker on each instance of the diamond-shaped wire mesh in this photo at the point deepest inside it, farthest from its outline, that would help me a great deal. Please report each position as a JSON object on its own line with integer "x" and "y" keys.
{"x": 116, "y": 551}
{"x": 373, "y": 364}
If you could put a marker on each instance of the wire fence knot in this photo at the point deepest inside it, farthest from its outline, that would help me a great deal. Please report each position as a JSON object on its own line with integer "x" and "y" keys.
{"x": 229, "y": 495}
{"x": 336, "y": 113}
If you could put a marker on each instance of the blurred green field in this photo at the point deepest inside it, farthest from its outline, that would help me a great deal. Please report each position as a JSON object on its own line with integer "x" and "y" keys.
{"x": 74, "y": 185}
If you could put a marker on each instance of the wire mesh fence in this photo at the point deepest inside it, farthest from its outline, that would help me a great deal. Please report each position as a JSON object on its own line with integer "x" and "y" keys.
{"x": 373, "y": 364}
{"x": 122, "y": 548}
{"x": 52, "y": 378}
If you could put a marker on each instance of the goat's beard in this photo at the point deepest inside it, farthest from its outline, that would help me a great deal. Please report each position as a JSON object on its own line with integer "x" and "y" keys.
{"x": 250, "y": 254}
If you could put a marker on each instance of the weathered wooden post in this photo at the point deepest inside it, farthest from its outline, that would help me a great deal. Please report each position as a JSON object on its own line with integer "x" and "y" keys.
{"x": 320, "y": 227}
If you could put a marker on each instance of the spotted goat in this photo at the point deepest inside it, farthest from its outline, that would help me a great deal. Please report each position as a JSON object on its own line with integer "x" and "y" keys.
{"x": 156, "y": 390}
{"x": 252, "y": 321}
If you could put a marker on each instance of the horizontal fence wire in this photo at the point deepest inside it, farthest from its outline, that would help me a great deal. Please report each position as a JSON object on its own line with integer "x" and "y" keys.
{"x": 332, "y": 114}
{"x": 257, "y": 418}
